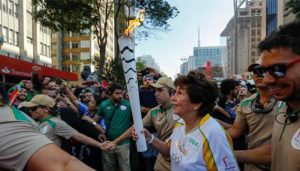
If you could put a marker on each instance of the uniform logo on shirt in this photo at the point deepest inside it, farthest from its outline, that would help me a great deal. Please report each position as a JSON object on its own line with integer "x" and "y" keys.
{"x": 122, "y": 107}
{"x": 108, "y": 107}
{"x": 175, "y": 117}
{"x": 44, "y": 129}
{"x": 296, "y": 140}
{"x": 228, "y": 165}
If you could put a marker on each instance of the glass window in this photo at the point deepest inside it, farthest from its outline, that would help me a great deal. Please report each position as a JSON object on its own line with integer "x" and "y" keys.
{"x": 10, "y": 7}
{"x": 16, "y": 10}
{"x": 4, "y": 5}
{"x": 29, "y": 40}
{"x": 67, "y": 45}
{"x": 66, "y": 57}
{"x": 75, "y": 45}
{"x": 41, "y": 48}
{"x": 75, "y": 57}
{"x": 48, "y": 50}
{"x": 66, "y": 68}
{"x": 5, "y": 34}
{"x": 11, "y": 37}
{"x": 16, "y": 43}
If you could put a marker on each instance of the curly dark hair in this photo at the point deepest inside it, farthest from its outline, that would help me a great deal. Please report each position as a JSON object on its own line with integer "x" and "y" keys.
{"x": 199, "y": 90}
{"x": 287, "y": 36}
{"x": 114, "y": 86}
{"x": 228, "y": 85}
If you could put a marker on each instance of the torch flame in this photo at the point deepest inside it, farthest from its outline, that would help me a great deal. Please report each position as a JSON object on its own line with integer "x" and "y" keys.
{"x": 135, "y": 23}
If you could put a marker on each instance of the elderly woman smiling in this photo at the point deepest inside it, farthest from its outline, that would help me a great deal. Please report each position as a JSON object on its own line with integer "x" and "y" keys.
{"x": 198, "y": 141}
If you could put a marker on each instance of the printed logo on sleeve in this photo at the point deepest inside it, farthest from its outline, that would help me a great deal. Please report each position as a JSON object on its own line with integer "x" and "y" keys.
{"x": 44, "y": 129}
{"x": 296, "y": 140}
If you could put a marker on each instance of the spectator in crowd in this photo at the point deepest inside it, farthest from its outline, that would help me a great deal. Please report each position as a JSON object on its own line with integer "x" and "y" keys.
{"x": 116, "y": 112}
{"x": 198, "y": 142}
{"x": 255, "y": 115}
{"x": 280, "y": 67}
{"x": 161, "y": 117}
{"x": 40, "y": 107}
{"x": 148, "y": 101}
{"x": 228, "y": 99}
{"x": 20, "y": 97}
{"x": 24, "y": 147}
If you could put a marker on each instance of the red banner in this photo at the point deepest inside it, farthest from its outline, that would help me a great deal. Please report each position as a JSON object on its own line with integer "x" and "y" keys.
{"x": 15, "y": 67}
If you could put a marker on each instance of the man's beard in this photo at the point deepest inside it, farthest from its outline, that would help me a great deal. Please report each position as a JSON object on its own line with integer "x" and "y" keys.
{"x": 295, "y": 96}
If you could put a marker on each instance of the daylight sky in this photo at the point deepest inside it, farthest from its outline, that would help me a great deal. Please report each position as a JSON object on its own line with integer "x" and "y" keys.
{"x": 167, "y": 48}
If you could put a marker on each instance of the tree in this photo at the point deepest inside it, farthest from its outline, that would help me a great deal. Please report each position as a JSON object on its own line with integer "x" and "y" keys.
{"x": 293, "y": 6}
{"x": 77, "y": 15}
{"x": 140, "y": 64}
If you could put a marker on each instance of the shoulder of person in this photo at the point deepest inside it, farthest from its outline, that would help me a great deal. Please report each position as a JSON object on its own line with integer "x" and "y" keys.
{"x": 248, "y": 100}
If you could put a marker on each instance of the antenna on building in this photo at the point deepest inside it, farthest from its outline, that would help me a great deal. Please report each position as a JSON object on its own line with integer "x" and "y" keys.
{"x": 183, "y": 59}
{"x": 198, "y": 36}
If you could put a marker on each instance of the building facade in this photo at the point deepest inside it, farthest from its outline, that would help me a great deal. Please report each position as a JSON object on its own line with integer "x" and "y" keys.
{"x": 71, "y": 51}
{"x": 24, "y": 38}
{"x": 149, "y": 61}
{"x": 243, "y": 33}
{"x": 275, "y": 15}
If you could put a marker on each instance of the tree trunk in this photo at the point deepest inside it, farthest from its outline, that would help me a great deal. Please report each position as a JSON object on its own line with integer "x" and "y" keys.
{"x": 102, "y": 49}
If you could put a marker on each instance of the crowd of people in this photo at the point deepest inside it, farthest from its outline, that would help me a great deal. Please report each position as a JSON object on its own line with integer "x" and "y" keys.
{"x": 189, "y": 124}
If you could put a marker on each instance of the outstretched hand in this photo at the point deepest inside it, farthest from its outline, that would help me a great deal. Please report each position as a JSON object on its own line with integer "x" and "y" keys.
{"x": 134, "y": 135}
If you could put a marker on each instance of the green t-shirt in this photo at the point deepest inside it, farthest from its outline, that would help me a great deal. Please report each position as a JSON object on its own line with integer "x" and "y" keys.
{"x": 119, "y": 122}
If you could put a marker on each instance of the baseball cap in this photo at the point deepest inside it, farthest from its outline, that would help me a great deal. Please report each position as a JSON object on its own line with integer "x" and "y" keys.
{"x": 39, "y": 99}
{"x": 163, "y": 82}
{"x": 148, "y": 76}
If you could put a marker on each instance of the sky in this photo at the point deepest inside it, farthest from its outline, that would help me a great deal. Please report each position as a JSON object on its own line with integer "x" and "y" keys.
{"x": 167, "y": 48}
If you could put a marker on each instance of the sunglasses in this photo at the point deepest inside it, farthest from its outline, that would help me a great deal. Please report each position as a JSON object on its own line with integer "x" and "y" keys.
{"x": 34, "y": 108}
{"x": 276, "y": 70}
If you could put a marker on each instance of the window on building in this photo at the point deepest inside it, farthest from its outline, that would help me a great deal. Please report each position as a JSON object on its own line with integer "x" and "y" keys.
{"x": 10, "y": 7}
{"x": 48, "y": 51}
{"x": 67, "y": 45}
{"x": 5, "y": 34}
{"x": 75, "y": 68}
{"x": 16, "y": 43}
{"x": 16, "y": 10}
{"x": 53, "y": 35}
{"x": 29, "y": 40}
{"x": 41, "y": 48}
{"x": 53, "y": 46}
{"x": 75, "y": 57}
{"x": 75, "y": 45}
{"x": 44, "y": 49}
{"x": 75, "y": 34}
{"x": 66, "y": 58}
{"x": 11, "y": 37}
{"x": 4, "y": 5}
{"x": 66, "y": 68}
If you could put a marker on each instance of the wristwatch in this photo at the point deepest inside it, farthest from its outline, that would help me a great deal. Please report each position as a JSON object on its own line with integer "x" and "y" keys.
{"x": 94, "y": 123}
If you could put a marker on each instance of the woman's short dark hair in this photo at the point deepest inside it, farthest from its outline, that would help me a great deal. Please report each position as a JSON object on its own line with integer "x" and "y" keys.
{"x": 199, "y": 90}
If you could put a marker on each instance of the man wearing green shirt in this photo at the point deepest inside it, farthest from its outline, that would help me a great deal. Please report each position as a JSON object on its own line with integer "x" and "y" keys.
{"x": 116, "y": 112}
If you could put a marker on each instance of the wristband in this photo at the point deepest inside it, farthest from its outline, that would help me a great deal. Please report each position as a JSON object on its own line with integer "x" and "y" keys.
{"x": 151, "y": 140}
{"x": 94, "y": 123}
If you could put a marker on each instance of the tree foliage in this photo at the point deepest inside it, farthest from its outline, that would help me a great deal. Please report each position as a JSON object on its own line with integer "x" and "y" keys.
{"x": 79, "y": 15}
{"x": 140, "y": 64}
{"x": 63, "y": 15}
{"x": 293, "y": 6}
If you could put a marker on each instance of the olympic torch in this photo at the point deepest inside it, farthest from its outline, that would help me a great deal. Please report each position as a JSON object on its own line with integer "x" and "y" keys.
{"x": 126, "y": 44}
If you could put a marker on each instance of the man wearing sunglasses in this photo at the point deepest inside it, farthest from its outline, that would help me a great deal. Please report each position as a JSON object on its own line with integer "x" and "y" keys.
{"x": 255, "y": 115}
{"x": 281, "y": 70}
